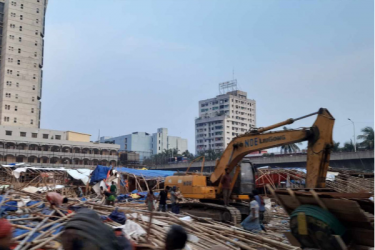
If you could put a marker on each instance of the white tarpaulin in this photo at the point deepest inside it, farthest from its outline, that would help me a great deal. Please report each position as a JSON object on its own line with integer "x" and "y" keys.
{"x": 31, "y": 189}
{"x": 80, "y": 174}
{"x": 18, "y": 171}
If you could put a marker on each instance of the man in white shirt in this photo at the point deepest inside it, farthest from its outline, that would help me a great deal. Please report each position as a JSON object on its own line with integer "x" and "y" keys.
{"x": 252, "y": 223}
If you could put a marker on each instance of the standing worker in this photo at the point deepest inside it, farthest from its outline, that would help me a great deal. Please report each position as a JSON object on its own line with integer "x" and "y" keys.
{"x": 262, "y": 209}
{"x": 251, "y": 222}
{"x": 225, "y": 185}
{"x": 175, "y": 208}
{"x": 112, "y": 197}
{"x": 5, "y": 234}
{"x": 163, "y": 199}
{"x": 55, "y": 199}
{"x": 150, "y": 200}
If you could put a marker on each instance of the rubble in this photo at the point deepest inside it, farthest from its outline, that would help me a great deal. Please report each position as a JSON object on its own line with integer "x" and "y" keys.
{"x": 37, "y": 226}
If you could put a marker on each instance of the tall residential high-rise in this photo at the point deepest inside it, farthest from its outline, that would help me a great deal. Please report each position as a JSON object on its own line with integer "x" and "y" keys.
{"x": 224, "y": 117}
{"x": 21, "y": 61}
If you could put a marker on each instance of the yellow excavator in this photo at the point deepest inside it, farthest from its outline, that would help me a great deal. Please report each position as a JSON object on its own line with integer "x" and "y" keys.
{"x": 207, "y": 188}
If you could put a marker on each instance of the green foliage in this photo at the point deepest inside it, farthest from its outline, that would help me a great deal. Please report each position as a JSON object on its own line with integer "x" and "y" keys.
{"x": 336, "y": 147}
{"x": 290, "y": 148}
{"x": 367, "y": 137}
{"x": 211, "y": 154}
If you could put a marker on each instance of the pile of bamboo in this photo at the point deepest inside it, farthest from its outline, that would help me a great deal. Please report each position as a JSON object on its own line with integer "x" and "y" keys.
{"x": 346, "y": 183}
{"x": 204, "y": 233}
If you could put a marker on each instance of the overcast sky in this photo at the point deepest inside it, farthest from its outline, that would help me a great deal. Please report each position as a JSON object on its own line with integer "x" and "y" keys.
{"x": 126, "y": 66}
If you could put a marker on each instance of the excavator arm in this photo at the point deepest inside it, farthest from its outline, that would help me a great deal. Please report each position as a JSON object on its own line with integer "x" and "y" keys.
{"x": 319, "y": 138}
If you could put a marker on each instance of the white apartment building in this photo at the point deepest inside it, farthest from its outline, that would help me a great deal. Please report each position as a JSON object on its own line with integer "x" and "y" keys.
{"x": 223, "y": 118}
{"x": 21, "y": 62}
{"x": 146, "y": 145}
{"x": 161, "y": 140}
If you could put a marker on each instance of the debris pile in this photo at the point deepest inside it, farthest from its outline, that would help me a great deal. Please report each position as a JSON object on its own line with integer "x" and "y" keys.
{"x": 37, "y": 226}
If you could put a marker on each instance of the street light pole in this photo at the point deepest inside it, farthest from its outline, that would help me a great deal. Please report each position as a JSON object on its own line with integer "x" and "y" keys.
{"x": 355, "y": 145}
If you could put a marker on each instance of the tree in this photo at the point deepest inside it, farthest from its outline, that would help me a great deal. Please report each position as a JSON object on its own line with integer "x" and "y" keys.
{"x": 290, "y": 148}
{"x": 367, "y": 137}
{"x": 348, "y": 147}
{"x": 336, "y": 147}
{"x": 188, "y": 155}
{"x": 211, "y": 154}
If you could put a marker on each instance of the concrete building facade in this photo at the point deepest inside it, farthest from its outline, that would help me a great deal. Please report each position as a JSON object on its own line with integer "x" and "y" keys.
{"x": 146, "y": 145}
{"x": 21, "y": 67}
{"x": 223, "y": 118}
{"x": 45, "y": 147}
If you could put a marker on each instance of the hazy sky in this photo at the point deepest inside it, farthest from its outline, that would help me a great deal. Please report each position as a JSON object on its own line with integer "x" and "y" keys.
{"x": 126, "y": 66}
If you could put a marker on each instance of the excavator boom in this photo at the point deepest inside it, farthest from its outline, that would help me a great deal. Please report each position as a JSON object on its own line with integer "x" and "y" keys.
{"x": 319, "y": 138}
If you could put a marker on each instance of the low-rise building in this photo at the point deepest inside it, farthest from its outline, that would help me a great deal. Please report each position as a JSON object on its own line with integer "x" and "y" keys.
{"x": 145, "y": 144}
{"x": 44, "y": 147}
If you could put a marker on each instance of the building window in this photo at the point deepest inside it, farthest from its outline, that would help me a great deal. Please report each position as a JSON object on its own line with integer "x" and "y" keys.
{"x": 8, "y": 95}
{"x": 36, "y": 32}
{"x": 21, "y": 16}
{"x": 34, "y": 76}
{"x": 58, "y": 137}
{"x": 37, "y": 10}
{"x": 18, "y": 73}
{"x": 19, "y": 62}
{"x": 37, "y": 20}
{"x": 20, "y": 28}
{"x": 17, "y": 84}
{"x": 13, "y": 14}
{"x": 15, "y": 108}
{"x": 9, "y": 83}
{"x": 7, "y": 132}
{"x": 21, "y": 6}
{"x": 20, "y": 39}
{"x": 34, "y": 65}
{"x": 19, "y": 51}
{"x": 15, "y": 119}
{"x": 32, "y": 110}
{"x": 33, "y": 99}
{"x": 31, "y": 121}
{"x": 36, "y": 43}
{"x": 45, "y": 136}
{"x": 34, "y": 135}
{"x": 7, "y": 107}
{"x": 35, "y": 54}
{"x": 9, "y": 71}
{"x": 33, "y": 87}
{"x": 11, "y": 37}
{"x": 12, "y": 25}
{"x": 23, "y": 134}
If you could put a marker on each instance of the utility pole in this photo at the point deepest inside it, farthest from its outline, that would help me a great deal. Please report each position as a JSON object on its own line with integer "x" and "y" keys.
{"x": 355, "y": 144}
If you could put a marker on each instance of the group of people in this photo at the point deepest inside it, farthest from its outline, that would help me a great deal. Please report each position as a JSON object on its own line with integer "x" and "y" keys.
{"x": 162, "y": 198}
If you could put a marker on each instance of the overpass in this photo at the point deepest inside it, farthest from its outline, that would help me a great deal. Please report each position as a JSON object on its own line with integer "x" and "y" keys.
{"x": 362, "y": 160}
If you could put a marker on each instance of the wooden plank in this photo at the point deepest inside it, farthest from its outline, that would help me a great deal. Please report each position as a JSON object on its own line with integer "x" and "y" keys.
{"x": 318, "y": 200}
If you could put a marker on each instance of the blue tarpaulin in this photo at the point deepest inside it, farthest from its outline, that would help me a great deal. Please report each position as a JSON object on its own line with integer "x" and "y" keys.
{"x": 148, "y": 174}
{"x": 99, "y": 174}
{"x": 8, "y": 206}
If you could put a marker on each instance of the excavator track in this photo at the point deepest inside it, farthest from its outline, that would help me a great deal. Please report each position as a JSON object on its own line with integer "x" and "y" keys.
{"x": 215, "y": 211}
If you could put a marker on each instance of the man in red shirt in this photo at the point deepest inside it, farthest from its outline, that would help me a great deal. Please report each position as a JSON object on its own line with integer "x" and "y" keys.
{"x": 225, "y": 185}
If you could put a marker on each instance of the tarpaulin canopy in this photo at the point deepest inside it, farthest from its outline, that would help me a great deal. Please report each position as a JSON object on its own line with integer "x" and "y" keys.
{"x": 100, "y": 173}
{"x": 80, "y": 174}
{"x": 147, "y": 174}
